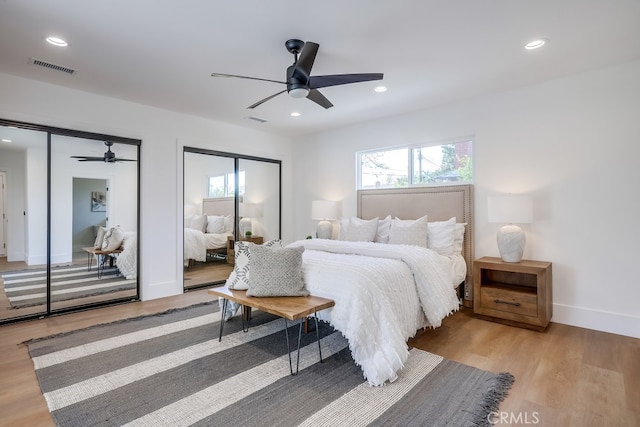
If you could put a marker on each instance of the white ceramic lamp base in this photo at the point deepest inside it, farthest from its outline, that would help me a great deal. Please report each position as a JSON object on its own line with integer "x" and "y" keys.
{"x": 244, "y": 226}
{"x": 511, "y": 242}
{"x": 324, "y": 230}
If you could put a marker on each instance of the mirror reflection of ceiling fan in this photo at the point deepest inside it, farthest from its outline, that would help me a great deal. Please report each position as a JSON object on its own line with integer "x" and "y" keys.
{"x": 109, "y": 156}
{"x": 300, "y": 83}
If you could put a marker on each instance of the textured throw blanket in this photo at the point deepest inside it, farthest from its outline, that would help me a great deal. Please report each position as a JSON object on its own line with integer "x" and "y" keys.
{"x": 383, "y": 294}
{"x": 195, "y": 246}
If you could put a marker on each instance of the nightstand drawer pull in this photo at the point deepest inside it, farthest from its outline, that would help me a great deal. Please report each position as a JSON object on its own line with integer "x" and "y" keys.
{"x": 497, "y": 301}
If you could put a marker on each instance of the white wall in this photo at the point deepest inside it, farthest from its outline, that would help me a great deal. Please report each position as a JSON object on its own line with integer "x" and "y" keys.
{"x": 572, "y": 143}
{"x": 13, "y": 163}
{"x": 161, "y": 181}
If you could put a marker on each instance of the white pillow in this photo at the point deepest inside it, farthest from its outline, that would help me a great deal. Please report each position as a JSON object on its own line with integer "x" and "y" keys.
{"x": 239, "y": 277}
{"x": 360, "y": 230}
{"x": 112, "y": 239}
{"x": 409, "y": 232}
{"x": 228, "y": 224}
{"x": 99, "y": 238}
{"x": 458, "y": 237}
{"x": 187, "y": 221}
{"x": 440, "y": 236}
{"x": 384, "y": 226}
{"x": 215, "y": 224}
{"x": 199, "y": 222}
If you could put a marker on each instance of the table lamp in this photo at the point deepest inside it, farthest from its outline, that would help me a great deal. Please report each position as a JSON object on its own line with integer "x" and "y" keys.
{"x": 510, "y": 210}
{"x": 324, "y": 211}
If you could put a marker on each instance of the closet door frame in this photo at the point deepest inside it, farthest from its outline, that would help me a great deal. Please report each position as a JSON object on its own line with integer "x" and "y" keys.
{"x": 49, "y": 131}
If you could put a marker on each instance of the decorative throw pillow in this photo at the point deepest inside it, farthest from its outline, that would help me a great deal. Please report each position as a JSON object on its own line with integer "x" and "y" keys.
{"x": 360, "y": 230}
{"x": 384, "y": 226}
{"x": 215, "y": 224}
{"x": 99, "y": 238}
{"x": 228, "y": 224}
{"x": 458, "y": 237}
{"x": 112, "y": 239}
{"x": 440, "y": 236}
{"x": 276, "y": 272}
{"x": 239, "y": 277}
{"x": 409, "y": 232}
{"x": 199, "y": 222}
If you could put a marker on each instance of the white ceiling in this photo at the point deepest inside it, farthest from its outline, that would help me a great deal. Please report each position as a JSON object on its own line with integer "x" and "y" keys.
{"x": 432, "y": 52}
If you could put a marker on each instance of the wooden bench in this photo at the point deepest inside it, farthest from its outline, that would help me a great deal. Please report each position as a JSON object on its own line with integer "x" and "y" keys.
{"x": 100, "y": 257}
{"x": 289, "y": 308}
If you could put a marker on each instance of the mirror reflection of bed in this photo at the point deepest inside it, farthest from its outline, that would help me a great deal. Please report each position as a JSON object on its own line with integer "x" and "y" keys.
{"x": 206, "y": 236}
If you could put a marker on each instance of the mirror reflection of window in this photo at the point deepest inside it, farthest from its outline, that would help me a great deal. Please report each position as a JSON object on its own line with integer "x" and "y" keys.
{"x": 225, "y": 186}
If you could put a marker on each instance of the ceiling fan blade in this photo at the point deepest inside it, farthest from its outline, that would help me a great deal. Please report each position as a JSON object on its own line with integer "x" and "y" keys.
{"x": 126, "y": 160}
{"x": 319, "y": 98}
{"x": 265, "y": 99}
{"x": 246, "y": 77}
{"x": 303, "y": 66}
{"x": 316, "y": 82}
{"x": 88, "y": 158}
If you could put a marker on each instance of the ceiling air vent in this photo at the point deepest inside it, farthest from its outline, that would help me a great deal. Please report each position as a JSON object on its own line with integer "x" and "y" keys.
{"x": 256, "y": 119}
{"x": 52, "y": 66}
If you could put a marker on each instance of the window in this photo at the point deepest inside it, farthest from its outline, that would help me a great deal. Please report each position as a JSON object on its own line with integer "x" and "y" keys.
{"x": 416, "y": 165}
{"x": 224, "y": 185}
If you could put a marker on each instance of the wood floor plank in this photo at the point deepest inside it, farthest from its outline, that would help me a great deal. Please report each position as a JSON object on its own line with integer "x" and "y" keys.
{"x": 553, "y": 378}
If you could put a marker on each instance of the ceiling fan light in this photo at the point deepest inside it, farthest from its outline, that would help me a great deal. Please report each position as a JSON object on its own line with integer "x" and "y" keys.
{"x": 299, "y": 92}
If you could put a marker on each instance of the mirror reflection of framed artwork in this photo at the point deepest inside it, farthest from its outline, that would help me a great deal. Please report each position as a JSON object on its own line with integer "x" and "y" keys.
{"x": 98, "y": 201}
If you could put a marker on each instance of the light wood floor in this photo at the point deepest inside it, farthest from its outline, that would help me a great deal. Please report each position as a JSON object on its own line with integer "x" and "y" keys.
{"x": 566, "y": 376}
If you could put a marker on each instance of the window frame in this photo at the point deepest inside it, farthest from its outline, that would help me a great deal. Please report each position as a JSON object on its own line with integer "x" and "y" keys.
{"x": 410, "y": 163}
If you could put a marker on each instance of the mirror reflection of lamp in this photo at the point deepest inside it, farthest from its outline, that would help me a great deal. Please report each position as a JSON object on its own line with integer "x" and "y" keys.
{"x": 324, "y": 211}
{"x": 248, "y": 211}
{"x": 511, "y": 209}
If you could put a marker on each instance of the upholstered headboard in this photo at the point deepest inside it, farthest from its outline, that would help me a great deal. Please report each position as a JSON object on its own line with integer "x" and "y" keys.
{"x": 221, "y": 206}
{"x": 439, "y": 203}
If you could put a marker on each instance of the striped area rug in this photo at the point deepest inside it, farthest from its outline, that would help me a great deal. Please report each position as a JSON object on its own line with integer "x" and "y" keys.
{"x": 170, "y": 370}
{"x": 27, "y": 288}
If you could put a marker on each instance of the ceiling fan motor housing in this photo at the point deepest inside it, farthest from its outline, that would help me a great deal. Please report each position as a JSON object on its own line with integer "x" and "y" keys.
{"x": 296, "y": 87}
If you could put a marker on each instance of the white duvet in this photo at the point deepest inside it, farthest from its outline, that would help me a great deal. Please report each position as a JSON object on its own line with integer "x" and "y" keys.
{"x": 383, "y": 293}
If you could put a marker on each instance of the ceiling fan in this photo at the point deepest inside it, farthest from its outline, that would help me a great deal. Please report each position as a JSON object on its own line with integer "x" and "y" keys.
{"x": 300, "y": 83}
{"x": 109, "y": 156}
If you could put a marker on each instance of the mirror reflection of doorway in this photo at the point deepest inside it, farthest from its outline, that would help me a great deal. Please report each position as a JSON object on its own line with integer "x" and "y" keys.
{"x": 59, "y": 189}
{"x": 89, "y": 212}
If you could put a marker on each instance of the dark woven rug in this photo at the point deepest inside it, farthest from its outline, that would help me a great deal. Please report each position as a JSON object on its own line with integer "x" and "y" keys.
{"x": 169, "y": 369}
{"x": 26, "y": 288}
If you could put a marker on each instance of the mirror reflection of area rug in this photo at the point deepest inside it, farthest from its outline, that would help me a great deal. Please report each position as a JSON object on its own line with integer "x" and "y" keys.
{"x": 27, "y": 288}
{"x": 170, "y": 369}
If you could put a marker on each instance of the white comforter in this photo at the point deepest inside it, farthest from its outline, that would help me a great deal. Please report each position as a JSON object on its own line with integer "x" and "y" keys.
{"x": 383, "y": 293}
{"x": 127, "y": 260}
{"x": 195, "y": 246}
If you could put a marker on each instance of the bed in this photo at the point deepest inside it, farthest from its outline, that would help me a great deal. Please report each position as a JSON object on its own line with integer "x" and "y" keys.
{"x": 386, "y": 292}
{"x": 403, "y": 264}
{"x": 207, "y": 233}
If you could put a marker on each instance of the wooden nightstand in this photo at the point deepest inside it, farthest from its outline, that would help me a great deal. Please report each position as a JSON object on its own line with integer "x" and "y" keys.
{"x": 231, "y": 258}
{"x": 518, "y": 294}
{"x": 258, "y": 240}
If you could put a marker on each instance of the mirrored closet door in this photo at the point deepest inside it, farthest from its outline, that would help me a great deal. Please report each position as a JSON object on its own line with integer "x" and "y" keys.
{"x": 71, "y": 205}
{"x": 227, "y": 197}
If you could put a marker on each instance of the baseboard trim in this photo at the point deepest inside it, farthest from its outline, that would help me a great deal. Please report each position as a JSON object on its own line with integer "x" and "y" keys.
{"x": 605, "y": 321}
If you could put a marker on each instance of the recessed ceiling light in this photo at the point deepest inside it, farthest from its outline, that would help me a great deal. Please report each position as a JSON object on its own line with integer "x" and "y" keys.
{"x": 6, "y": 140}
{"x": 56, "y": 41}
{"x": 535, "y": 44}
{"x": 380, "y": 89}
{"x": 295, "y": 114}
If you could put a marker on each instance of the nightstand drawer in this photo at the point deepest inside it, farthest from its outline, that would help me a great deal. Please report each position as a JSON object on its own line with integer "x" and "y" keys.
{"x": 509, "y": 300}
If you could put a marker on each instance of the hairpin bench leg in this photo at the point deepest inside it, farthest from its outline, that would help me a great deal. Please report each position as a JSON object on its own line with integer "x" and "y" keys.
{"x": 286, "y": 331}
{"x": 224, "y": 311}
